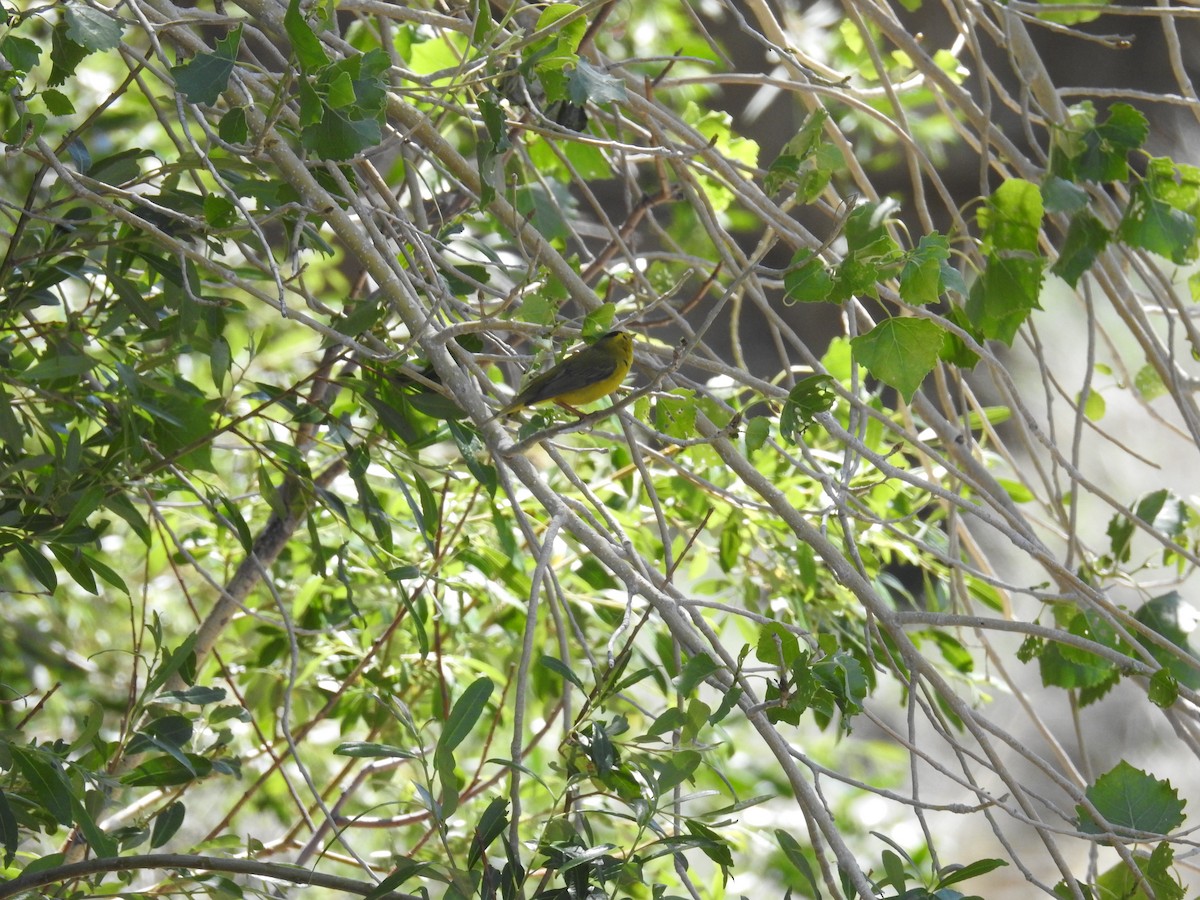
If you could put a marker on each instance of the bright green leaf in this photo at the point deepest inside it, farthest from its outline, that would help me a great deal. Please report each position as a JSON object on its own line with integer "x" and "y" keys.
{"x": 22, "y": 54}
{"x": 1094, "y": 406}
{"x": 900, "y": 352}
{"x": 1151, "y": 223}
{"x": 921, "y": 277}
{"x": 1011, "y": 218}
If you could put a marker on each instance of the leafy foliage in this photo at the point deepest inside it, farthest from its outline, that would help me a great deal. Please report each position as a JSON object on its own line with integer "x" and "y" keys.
{"x": 286, "y": 599}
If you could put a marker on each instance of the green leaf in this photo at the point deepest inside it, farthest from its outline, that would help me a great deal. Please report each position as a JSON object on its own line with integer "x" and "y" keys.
{"x": 1175, "y": 183}
{"x": 405, "y": 869}
{"x": 954, "y": 874}
{"x": 728, "y": 702}
{"x": 428, "y": 514}
{"x": 577, "y": 858}
{"x": 1164, "y": 512}
{"x": 311, "y": 107}
{"x": 679, "y": 767}
{"x": 777, "y": 646}
{"x": 55, "y": 366}
{"x": 587, "y": 83}
{"x": 491, "y": 825}
{"x": 1170, "y": 616}
{"x": 25, "y": 129}
{"x": 559, "y": 47}
{"x": 120, "y": 168}
{"x": 796, "y": 856}
{"x": 8, "y": 830}
{"x": 1124, "y": 130}
{"x": 1163, "y": 689}
{"x": 339, "y": 92}
{"x": 671, "y": 719}
{"x": 810, "y": 136}
{"x": 547, "y": 205}
{"x": 600, "y": 749}
{"x": 11, "y": 432}
{"x": 44, "y": 863}
{"x": 675, "y": 413}
{"x": 804, "y": 164}
{"x": 1148, "y": 383}
{"x": 166, "y": 823}
{"x": 92, "y": 28}
{"x": 1086, "y": 238}
{"x": 1066, "y": 666}
{"x": 200, "y": 695}
{"x": 871, "y": 253}
{"x": 559, "y": 667}
{"x": 168, "y": 734}
{"x": 921, "y": 279}
{"x": 372, "y": 750}
{"x": 167, "y": 771}
{"x": 1130, "y": 798}
{"x": 1001, "y": 299}
{"x": 480, "y": 12}
{"x": 757, "y": 431}
{"x": 807, "y": 280}
{"x": 900, "y": 352}
{"x": 58, "y": 104}
{"x": 417, "y": 613}
{"x": 809, "y": 398}
{"x": 182, "y": 658}
{"x": 1094, "y": 406}
{"x": 71, "y": 559}
{"x": 65, "y": 54}
{"x": 729, "y": 543}
{"x": 1153, "y": 224}
{"x": 22, "y": 54}
{"x": 843, "y": 676}
{"x": 47, "y": 781}
{"x": 474, "y": 456}
{"x": 232, "y": 127}
{"x": 711, "y": 844}
{"x": 698, "y": 716}
{"x": 85, "y": 503}
{"x": 893, "y": 865}
{"x": 1011, "y": 218}
{"x": 338, "y": 136}
{"x": 53, "y": 789}
{"x": 952, "y": 650}
{"x": 715, "y": 127}
{"x": 309, "y": 52}
{"x": 1069, "y": 18}
{"x": 40, "y": 567}
{"x": 1120, "y": 533}
{"x": 219, "y": 360}
{"x": 204, "y": 78}
{"x": 1062, "y": 196}
{"x": 466, "y": 714}
{"x": 123, "y": 507}
{"x": 1155, "y": 868}
{"x": 695, "y": 671}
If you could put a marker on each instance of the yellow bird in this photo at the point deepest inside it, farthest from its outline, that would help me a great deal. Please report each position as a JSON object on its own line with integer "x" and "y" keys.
{"x": 582, "y": 377}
